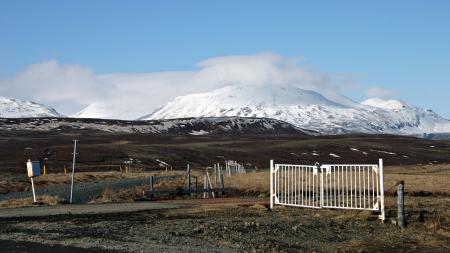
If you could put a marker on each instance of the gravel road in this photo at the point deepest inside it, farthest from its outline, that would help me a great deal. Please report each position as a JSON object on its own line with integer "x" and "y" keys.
{"x": 85, "y": 192}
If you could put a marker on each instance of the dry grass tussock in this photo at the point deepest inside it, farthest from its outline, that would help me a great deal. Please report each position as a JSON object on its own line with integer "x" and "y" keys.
{"x": 124, "y": 195}
{"x": 138, "y": 192}
{"x": 254, "y": 183}
{"x": 46, "y": 200}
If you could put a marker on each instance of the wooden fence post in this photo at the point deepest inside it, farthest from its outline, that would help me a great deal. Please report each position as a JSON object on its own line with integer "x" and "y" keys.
{"x": 215, "y": 175}
{"x": 151, "y": 184}
{"x": 196, "y": 187}
{"x": 151, "y": 187}
{"x": 401, "y": 204}
{"x": 205, "y": 186}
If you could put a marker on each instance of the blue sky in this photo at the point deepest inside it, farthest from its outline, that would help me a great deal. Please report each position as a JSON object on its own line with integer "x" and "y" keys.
{"x": 400, "y": 46}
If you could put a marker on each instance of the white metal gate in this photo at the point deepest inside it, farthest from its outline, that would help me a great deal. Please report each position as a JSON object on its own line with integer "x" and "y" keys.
{"x": 342, "y": 186}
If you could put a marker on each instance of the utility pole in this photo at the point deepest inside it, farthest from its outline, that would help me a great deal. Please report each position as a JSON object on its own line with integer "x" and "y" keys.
{"x": 73, "y": 167}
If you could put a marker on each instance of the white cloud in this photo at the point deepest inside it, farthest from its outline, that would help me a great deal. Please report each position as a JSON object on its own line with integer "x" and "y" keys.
{"x": 70, "y": 88}
{"x": 379, "y": 92}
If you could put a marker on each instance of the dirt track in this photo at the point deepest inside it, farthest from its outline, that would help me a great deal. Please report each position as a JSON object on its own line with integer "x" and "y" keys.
{"x": 36, "y": 211}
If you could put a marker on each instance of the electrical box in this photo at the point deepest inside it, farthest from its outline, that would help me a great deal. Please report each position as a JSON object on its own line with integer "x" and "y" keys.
{"x": 33, "y": 168}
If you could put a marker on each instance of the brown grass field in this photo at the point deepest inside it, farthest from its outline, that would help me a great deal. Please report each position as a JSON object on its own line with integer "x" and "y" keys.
{"x": 419, "y": 180}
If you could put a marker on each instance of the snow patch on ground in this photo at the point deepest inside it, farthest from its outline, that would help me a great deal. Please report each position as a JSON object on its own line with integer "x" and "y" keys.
{"x": 384, "y": 152}
{"x": 201, "y": 132}
{"x": 357, "y": 150}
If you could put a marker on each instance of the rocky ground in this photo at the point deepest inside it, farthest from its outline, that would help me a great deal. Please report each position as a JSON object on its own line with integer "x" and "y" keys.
{"x": 229, "y": 227}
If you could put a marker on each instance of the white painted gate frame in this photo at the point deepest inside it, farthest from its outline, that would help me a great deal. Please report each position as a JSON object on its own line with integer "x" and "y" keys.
{"x": 315, "y": 186}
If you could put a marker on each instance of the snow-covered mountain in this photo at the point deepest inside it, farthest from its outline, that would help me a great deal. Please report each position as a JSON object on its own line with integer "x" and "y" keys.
{"x": 306, "y": 109}
{"x": 14, "y": 108}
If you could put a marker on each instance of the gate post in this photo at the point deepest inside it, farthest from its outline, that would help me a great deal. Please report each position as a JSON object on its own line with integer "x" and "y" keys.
{"x": 380, "y": 166}
{"x": 320, "y": 169}
{"x": 271, "y": 184}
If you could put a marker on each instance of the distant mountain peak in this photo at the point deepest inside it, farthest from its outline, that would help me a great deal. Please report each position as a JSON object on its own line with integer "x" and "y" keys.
{"x": 15, "y": 108}
{"x": 306, "y": 109}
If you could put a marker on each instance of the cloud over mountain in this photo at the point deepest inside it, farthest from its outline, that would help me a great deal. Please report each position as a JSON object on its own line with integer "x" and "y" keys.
{"x": 72, "y": 88}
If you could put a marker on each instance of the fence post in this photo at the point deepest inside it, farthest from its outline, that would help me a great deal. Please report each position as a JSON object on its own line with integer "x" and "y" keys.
{"x": 151, "y": 184}
{"x": 215, "y": 175}
{"x": 400, "y": 204}
{"x": 205, "y": 187}
{"x": 196, "y": 187}
{"x": 223, "y": 183}
{"x": 32, "y": 187}
{"x": 382, "y": 209}
{"x": 189, "y": 180}
{"x": 271, "y": 184}
{"x": 73, "y": 168}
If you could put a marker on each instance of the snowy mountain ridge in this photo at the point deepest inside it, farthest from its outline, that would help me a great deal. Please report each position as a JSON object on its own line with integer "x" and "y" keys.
{"x": 187, "y": 126}
{"x": 15, "y": 108}
{"x": 306, "y": 109}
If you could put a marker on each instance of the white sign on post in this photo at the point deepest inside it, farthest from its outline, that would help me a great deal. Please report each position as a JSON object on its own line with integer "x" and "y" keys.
{"x": 33, "y": 170}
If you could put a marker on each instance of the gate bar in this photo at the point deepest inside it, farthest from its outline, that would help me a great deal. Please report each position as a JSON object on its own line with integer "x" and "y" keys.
{"x": 380, "y": 167}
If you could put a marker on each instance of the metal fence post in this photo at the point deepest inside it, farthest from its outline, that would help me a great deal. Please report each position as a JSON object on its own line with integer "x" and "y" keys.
{"x": 32, "y": 187}
{"x": 382, "y": 209}
{"x": 271, "y": 184}
{"x": 73, "y": 168}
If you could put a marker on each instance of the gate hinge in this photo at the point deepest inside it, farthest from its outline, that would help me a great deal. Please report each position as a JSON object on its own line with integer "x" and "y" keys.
{"x": 275, "y": 169}
{"x": 375, "y": 168}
